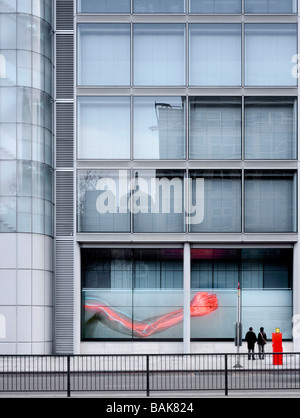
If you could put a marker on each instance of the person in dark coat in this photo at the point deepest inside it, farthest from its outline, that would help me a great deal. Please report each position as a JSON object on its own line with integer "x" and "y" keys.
{"x": 251, "y": 340}
{"x": 261, "y": 342}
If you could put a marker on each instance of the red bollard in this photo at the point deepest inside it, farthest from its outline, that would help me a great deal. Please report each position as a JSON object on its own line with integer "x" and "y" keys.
{"x": 277, "y": 347}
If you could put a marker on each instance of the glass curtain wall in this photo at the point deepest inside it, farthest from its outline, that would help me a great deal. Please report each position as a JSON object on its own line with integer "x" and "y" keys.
{"x": 26, "y": 201}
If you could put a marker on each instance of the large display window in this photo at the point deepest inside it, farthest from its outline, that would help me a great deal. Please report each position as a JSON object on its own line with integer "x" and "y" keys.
{"x": 139, "y": 294}
{"x": 132, "y": 293}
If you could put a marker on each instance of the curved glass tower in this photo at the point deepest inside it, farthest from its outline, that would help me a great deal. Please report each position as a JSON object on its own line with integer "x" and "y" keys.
{"x": 26, "y": 197}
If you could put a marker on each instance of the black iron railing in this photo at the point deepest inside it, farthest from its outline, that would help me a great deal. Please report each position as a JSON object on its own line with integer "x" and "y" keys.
{"x": 149, "y": 373}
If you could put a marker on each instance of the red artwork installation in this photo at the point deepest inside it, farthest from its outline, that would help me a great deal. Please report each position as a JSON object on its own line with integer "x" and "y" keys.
{"x": 202, "y": 304}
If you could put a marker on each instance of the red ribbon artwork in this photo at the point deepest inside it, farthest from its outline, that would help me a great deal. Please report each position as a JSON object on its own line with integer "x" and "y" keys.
{"x": 202, "y": 304}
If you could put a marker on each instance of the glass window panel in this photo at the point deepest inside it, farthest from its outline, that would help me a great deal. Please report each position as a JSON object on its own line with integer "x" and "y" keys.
{"x": 8, "y": 104}
{"x": 39, "y": 100}
{"x": 24, "y": 70}
{"x": 48, "y": 11}
{"x": 103, "y": 201}
{"x": 8, "y": 6}
{"x": 269, "y": 49}
{"x": 159, "y": 54}
{"x": 270, "y": 128}
{"x": 24, "y": 178}
{"x": 8, "y": 183}
{"x": 38, "y": 71}
{"x": 8, "y": 68}
{"x": 38, "y": 216}
{"x": 7, "y": 141}
{"x": 215, "y": 55}
{"x": 24, "y": 6}
{"x": 159, "y": 6}
{"x": 158, "y": 269}
{"x": 8, "y": 210}
{"x": 270, "y": 201}
{"x": 24, "y": 104}
{"x": 8, "y": 31}
{"x": 215, "y": 6}
{"x": 38, "y": 8}
{"x": 24, "y": 33}
{"x": 39, "y": 35}
{"x": 24, "y": 214}
{"x": 157, "y": 201}
{"x": 270, "y": 6}
{"x": 215, "y": 128}
{"x": 136, "y": 286}
{"x": 104, "y": 128}
{"x": 38, "y": 180}
{"x": 104, "y": 43}
{"x": 218, "y": 207}
{"x": 104, "y": 6}
{"x": 159, "y": 127}
{"x": 24, "y": 142}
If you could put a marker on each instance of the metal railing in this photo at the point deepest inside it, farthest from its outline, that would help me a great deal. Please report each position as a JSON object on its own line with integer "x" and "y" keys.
{"x": 149, "y": 373}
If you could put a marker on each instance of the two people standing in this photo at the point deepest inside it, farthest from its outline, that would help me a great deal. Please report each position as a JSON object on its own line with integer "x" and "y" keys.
{"x": 261, "y": 340}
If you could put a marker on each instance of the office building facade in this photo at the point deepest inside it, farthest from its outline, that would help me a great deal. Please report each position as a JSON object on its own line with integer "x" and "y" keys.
{"x": 148, "y": 168}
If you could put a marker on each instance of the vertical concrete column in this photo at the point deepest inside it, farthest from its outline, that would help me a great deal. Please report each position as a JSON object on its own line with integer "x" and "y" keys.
{"x": 186, "y": 298}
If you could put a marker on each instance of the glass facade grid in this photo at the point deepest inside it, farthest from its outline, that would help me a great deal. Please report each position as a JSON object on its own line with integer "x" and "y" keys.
{"x": 217, "y": 129}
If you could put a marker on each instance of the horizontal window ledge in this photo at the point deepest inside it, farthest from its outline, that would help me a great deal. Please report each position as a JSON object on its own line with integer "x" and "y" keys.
{"x": 186, "y": 91}
{"x": 190, "y": 164}
{"x": 183, "y": 237}
{"x": 182, "y": 18}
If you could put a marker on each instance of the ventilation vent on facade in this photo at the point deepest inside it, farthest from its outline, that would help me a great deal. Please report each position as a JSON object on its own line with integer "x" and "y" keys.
{"x": 64, "y": 15}
{"x": 64, "y": 66}
{"x": 64, "y": 135}
{"x": 64, "y": 313}
{"x": 64, "y": 203}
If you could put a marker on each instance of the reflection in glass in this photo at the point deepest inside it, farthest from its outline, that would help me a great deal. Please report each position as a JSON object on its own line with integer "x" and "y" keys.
{"x": 159, "y": 127}
{"x": 270, "y": 128}
{"x": 268, "y": 54}
{"x": 103, "y": 201}
{"x": 215, "y": 55}
{"x": 215, "y": 128}
{"x": 104, "y": 127}
{"x": 159, "y": 54}
{"x": 158, "y": 6}
{"x": 270, "y": 201}
{"x": 267, "y": 6}
{"x": 222, "y": 201}
{"x": 215, "y": 6}
{"x": 99, "y": 44}
{"x": 158, "y": 201}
